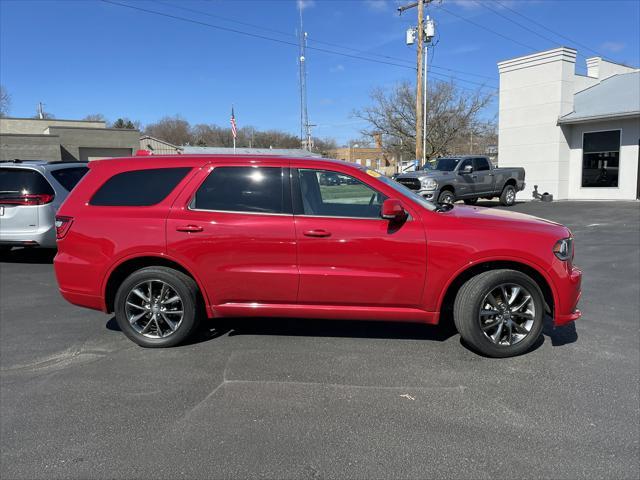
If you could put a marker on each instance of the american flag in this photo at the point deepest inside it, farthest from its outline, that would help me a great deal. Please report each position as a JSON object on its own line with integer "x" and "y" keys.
{"x": 234, "y": 128}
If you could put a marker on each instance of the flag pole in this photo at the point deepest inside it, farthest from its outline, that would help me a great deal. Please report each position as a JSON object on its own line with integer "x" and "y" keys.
{"x": 234, "y": 129}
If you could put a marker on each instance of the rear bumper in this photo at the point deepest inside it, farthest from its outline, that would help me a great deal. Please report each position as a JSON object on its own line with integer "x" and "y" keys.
{"x": 83, "y": 300}
{"x": 41, "y": 238}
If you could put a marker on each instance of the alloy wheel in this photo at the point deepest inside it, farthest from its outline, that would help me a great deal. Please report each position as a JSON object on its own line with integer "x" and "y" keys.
{"x": 507, "y": 314}
{"x": 154, "y": 309}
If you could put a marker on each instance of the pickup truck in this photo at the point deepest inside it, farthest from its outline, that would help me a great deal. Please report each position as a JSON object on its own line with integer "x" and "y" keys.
{"x": 465, "y": 178}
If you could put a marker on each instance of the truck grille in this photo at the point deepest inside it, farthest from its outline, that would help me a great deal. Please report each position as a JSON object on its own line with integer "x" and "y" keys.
{"x": 412, "y": 183}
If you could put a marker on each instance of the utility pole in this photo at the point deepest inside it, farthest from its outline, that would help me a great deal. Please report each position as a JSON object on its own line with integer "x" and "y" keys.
{"x": 305, "y": 127}
{"x": 424, "y": 33}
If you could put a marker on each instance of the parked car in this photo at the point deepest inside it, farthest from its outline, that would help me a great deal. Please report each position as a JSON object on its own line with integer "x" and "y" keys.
{"x": 329, "y": 179}
{"x": 162, "y": 238}
{"x": 465, "y": 178}
{"x": 30, "y": 194}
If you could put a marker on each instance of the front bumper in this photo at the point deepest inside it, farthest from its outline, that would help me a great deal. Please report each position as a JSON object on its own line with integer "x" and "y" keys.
{"x": 568, "y": 293}
{"x": 428, "y": 194}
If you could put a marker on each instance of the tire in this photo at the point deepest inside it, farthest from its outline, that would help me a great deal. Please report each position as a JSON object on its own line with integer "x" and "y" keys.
{"x": 470, "y": 201}
{"x": 446, "y": 196}
{"x": 173, "y": 328}
{"x": 488, "y": 333}
{"x": 508, "y": 196}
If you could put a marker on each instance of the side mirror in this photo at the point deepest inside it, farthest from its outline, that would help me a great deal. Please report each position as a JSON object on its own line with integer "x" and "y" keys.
{"x": 392, "y": 209}
{"x": 467, "y": 169}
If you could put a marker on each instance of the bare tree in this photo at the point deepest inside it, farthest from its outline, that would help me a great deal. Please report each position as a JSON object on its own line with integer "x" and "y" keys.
{"x": 451, "y": 112}
{"x": 175, "y": 130}
{"x": 178, "y": 131}
{"x": 95, "y": 117}
{"x": 5, "y": 102}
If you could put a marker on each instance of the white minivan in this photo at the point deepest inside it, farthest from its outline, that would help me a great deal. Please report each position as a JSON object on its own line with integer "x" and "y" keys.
{"x": 31, "y": 191}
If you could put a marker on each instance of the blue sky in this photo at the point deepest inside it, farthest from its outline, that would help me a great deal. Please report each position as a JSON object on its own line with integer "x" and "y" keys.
{"x": 87, "y": 56}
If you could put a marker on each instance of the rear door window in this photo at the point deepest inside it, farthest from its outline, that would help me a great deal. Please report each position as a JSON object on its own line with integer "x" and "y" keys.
{"x": 138, "y": 188}
{"x": 15, "y": 182}
{"x": 244, "y": 189}
{"x": 69, "y": 177}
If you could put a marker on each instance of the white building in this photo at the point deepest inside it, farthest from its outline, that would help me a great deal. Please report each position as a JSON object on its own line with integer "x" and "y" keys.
{"x": 576, "y": 136}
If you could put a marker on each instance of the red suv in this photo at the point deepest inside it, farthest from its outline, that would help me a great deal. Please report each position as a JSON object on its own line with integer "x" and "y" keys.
{"x": 157, "y": 240}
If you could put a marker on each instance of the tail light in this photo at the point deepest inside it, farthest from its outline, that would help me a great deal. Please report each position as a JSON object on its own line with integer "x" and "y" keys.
{"x": 28, "y": 199}
{"x": 62, "y": 226}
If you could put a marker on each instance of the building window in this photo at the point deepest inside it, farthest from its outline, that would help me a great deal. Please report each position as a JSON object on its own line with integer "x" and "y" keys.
{"x": 600, "y": 159}
{"x": 368, "y": 162}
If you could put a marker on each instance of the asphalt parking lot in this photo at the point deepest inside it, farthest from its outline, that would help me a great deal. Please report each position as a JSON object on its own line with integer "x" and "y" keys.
{"x": 320, "y": 399}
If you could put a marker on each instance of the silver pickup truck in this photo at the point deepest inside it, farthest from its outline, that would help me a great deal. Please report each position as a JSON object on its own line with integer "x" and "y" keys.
{"x": 465, "y": 178}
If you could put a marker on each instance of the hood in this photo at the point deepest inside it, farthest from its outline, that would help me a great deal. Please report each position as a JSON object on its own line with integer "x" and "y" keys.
{"x": 497, "y": 218}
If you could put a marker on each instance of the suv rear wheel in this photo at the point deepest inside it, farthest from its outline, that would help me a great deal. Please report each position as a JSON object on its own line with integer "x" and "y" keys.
{"x": 508, "y": 196}
{"x": 157, "y": 307}
{"x": 499, "y": 313}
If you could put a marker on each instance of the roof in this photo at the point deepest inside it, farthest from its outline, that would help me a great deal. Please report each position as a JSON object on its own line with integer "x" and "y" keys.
{"x": 192, "y": 160}
{"x": 614, "y": 97}
{"x": 164, "y": 142}
{"x": 287, "y": 152}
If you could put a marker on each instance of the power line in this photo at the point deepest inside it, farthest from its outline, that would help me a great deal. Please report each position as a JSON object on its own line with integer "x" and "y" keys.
{"x": 484, "y": 5}
{"x": 546, "y": 28}
{"x": 487, "y": 29}
{"x": 249, "y": 34}
{"x": 321, "y": 42}
{"x": 264, "y": 37}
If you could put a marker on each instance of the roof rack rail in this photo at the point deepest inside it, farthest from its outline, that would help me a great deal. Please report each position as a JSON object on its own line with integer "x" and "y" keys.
{"x": 57, "y": 162}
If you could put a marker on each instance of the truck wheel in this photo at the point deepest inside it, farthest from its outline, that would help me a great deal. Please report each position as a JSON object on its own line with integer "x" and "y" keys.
{"x": 499, "y": 313}
{"x": 446, "y": 196}
{"x": 470, "y": 201}
{"x": 508, "y": 196}
{"x": 157, "y": 307}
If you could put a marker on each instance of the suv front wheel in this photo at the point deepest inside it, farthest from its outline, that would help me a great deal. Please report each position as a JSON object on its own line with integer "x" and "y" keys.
{"x": 157, "y": 307}
{"x": 500, "y": 312}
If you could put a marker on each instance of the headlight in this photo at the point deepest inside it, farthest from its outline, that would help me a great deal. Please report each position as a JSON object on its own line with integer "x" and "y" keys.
{"x": 563, "y": 249}
{"x": 429, "y": 184}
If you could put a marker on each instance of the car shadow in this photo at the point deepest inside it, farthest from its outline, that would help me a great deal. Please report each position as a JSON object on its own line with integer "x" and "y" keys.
{"x": 210, "y": 329}
{"x": 42, "y": 256}
{"x": 492, "y": 204}
{"x": 301, "y": 327}
{"x": 562, "y": 335}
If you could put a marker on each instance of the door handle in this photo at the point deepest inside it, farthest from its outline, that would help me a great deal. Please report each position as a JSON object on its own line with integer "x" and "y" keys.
{"x": 317, "y": 233}
{"x": 189, "y": 228}
{"x": 474, "y": 176}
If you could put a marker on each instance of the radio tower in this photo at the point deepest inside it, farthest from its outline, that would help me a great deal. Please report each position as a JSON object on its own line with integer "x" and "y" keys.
{"x": 305, "y": 128}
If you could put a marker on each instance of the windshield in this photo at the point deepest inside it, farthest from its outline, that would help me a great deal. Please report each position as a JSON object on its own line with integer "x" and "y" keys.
{"x": 447, "y": 164}
{"x": 405, "y": 192}
{"x": 429, "y": 166}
